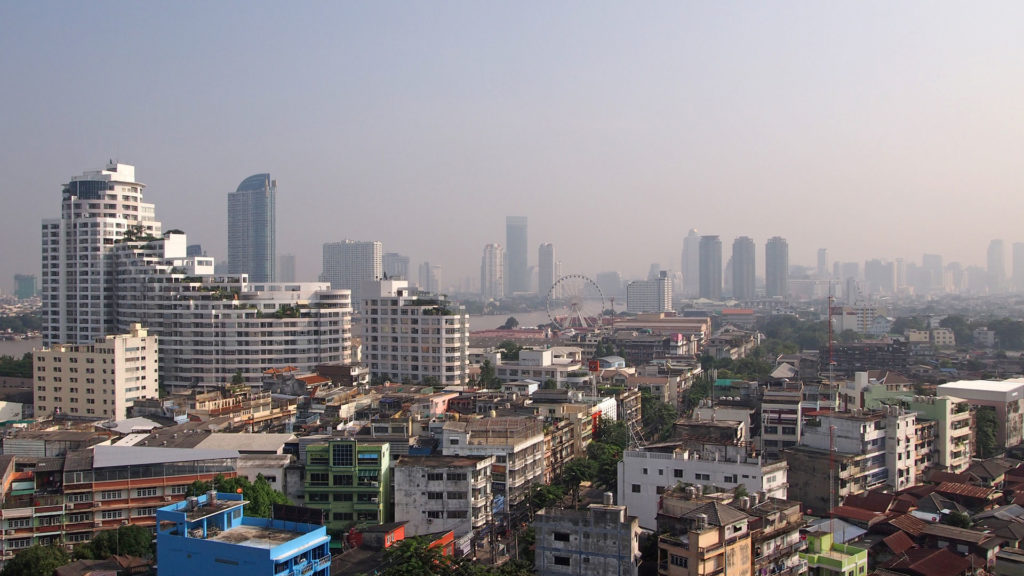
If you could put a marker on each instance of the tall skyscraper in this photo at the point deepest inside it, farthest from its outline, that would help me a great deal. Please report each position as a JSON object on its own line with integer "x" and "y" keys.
{"x": 1018, "y": 266}
{"x": 996, "y": 267}
{"x": 430, "y": 278}
{"x": 252, "y": 226}
{"x": 285, "y": 268}
{"x": 24, "y": 286}
{"x": 492, "y": 273}
{"x": 743, "y": 282}
{"x": 355, "y": 266}
{"x": 822, "y": 263}
{"x": 546, "y": 268}
{"x": 610, "y": 284}
{"x": 396, "y": 266}
{"x": 776, "y": 267}
{"x": 98, "y": 209}
{"x": 517, "y": 272}
{"x": 710, "y": 267}
{"x": 691, "y": 265}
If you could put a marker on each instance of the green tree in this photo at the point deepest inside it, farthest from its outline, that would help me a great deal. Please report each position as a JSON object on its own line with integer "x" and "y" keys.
{"x": 612, "y": 432}
{"x": 488, "y": 375}
{"x": 544, "y": 495}
{"x": 509, "y": 350}
{"x": 129, "y": 539}
{"x": 16, "y": 368}
{"x": 985, "y": 431}
{"x": 958, "y": 519}
{"x": 575, "y": 472}
{"x": 904, "y": 323}
{"x": 36, "y": 561}
{"x": 237, "y": 379}
{"x": 960, "y": 327}
{"x": 657, "y": 416}
{"x": 415, "y": 557}
{"x": 260, "y": 495}
{"x": 510, "y": 324}
{"x": 606, "y": 464}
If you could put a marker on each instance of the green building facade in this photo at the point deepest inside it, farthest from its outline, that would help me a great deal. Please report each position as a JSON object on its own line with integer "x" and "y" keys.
{"x": 351, "y": 481}
{"x": 824, "y": 557}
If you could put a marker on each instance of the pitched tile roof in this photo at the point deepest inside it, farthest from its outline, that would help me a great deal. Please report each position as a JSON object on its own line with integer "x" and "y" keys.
{"x": 898, "y": 542}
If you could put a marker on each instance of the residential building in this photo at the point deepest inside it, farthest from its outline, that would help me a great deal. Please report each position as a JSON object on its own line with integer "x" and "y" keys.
{"x": 492, "y": 273}
{"x": 415, "y": 339}
{"x": 775, "y": 535}
{"x": 710, "y": 268}
{"x": 650, "y": 296}
{"x": 517, "y": 444}
{"x": 996, "y": 267}
{"x": 98, "y": 210}
{"x": 744, "y": 285}
{"x": 984, "y": 337}
{"x": 25, "y": 286}
{"x": 517, "y": 271}
{"x": 825, "y": 557}
{"x": 644, "y": 474}
{"x": 547, "y": 268}
{"x": 691, "y": 264}
{"x": 560, "y": 364}
{"x": 776, "y": 267}
{"x": 350, "y": 481}
{"x": 1005, "y": 397}
{"x": 252, "y": 227}
{"x": 437, "y": 493}
{"x": 354, "y": 266}
{"x": 610, "y": 284}
{"x": 943, "y": 338}
{"x": 601, "y": 541}
{"x": 395, "y": 266}
{"x": 702, "y": 538}
{"x": 100, "y": 380}
{"x": 211, "y": 534}
{"x": 1018, "y": 266}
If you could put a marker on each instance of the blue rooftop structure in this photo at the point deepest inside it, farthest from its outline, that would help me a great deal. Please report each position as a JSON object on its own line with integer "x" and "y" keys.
{"x": 211, "y": 535}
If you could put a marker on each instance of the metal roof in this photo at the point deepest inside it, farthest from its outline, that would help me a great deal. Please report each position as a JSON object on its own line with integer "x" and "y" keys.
{"x": 110, "y": 456}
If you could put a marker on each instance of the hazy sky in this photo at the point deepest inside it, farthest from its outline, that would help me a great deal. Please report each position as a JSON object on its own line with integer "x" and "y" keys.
{"x": 884, "y": 129}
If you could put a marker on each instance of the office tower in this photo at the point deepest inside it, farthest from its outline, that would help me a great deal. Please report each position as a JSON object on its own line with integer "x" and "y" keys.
{"x": 396, "y": 266}
{"x": 286, "y": 267}
{"x": 546, "y": 268}
{"x": 880, "y": 277}
{"x": 439, "y": 343}
{"x": 691, "y": 265}
{"x": 194, "y": 250}
{"x": 98, "y": 209}
{"x": 822, "y": 270}
{"x": 1018, "y": 266}
{"x": 645, "y": 296}
{"x": 996, "y": 267}
{"x": 492, "y": 273}
{"x": 353, "y": 265}
{"x": 610, "y": 284}
{"x": 776, "y": 267}
{"x": 654, "y": 271}
{"x": 131, "y": 358}
{"x": 710, "y": 267}
{"x": 252, "y": 226}
{"x": 900, "y": 271}
{"x": 430, "y": 278}
{"x": 743, "y": 283}
{"x": 517, "y": 271}
{"x": 933, "y": 276}
{"x": 24, "y": 286}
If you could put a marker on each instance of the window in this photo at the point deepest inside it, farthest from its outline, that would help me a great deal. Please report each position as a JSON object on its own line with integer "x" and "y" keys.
{"x": 79, "y": 498}
{"x": 318, "y": 497}
{"x": 366, "y": 496}
{"x": 19, "y": 523}
{"x": 145, "y": 492}
{"x": 457, "y": 514}
{"x": 562, "y": 561}
{"x": 111, "y": 514}
{"x": 677, "y": 560}
{"x": 645, "y": 471}
{"x": 145, "y": 512}
{"x": 434, "y": 514}
{"x": 677, "y": 473}
{"x": 342, "y": 479}
{"x": 76, "y": 518}
{"x": 435, "y": 476}
{"x": 561, "y": 536}
{"x": 179, "y": 489}
{"x": 342, "y": 454}
{"x": 456, "y": 495}
{"x": 346, "y": 497}
{"x": 435, "y": 495}
{"x": 636, "y": 488}
{"x": 730, "y": 478}
{"x": 366, "y": 516}
{"x": 110, "y": 495}
{"x": 457, "y": 476}
{"x": 342, "y": 516}
{"x": 318, "y": 478}
{"x": 705, "y": 477}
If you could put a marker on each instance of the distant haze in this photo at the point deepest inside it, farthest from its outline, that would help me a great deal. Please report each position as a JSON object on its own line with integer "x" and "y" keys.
{"x": 873, "y": 129}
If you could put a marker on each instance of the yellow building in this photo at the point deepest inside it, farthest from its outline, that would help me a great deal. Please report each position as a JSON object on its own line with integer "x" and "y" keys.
{"x": 705, "y": 538}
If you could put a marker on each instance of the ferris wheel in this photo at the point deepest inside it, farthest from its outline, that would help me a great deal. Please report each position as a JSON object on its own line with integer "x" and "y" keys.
{"x": 575, "y": 301}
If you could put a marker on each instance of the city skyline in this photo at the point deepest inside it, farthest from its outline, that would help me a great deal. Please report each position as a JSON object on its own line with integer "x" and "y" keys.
{"x": 569, "y": 117}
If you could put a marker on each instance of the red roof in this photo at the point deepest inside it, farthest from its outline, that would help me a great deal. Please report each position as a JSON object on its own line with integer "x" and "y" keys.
{"x": 313, "y": 379}
{"x": 908, "y": 523}
{"x": 856, "y": 514}
{"x": 968, "y": 490}
{"x": 930, "y": 562}
{"x": 898, "y": 542}
{"x": 874, "y": 501}
{"x": 736, "y": 311}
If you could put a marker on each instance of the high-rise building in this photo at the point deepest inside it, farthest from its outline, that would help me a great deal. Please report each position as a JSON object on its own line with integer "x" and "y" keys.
{"x": 710, "y": 267}
{"x": 996, "y": 267}
{"x": 252, "y": 226}
{"x": 610, "y": 284}
{"x": 776, "y": 267}
{"x": 822, "y": 270}
{"x": 430, "y": 278}
{"x": 691, "y": 265}
{"x": 286, "y": 267}
{"x": 396, "y": 266}
{"x": 439, "y": 342}
{"x": 546, "y": 268}
{"x": 1018, "y": 266}
{"x": 644, "y": 296}
{"x": 355, "y": 266}
{"x": 209, "y": 327}
{"x": 194, "y": 250}
{"x": 132, "y": 362}
{"x": 517, "y": 271}
{"x": 933, "y": 277}
{"x": 880, "y": 277}
{"x": 98, "y": 210}
{"x": 24, "y": 286}
{"x": 743, "y": 280}
{"x": 492, "y": 273}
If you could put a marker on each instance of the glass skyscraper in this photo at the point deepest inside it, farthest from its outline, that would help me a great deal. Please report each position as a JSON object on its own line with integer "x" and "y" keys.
{"x": 517, "y": 271}
{"x": 252, "y": 225}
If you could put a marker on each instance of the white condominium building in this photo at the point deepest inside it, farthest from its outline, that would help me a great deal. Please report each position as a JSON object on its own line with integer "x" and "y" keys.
{"x": 97, "y": 380}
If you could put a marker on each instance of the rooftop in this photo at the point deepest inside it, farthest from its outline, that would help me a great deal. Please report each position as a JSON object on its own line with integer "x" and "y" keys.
{"x": 985, "y": 385}
{"x": 256, "y": 536}
{"x": 110, "y": 456}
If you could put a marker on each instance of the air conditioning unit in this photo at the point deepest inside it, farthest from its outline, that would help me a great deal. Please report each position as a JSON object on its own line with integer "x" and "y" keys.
{"x": 374, "y": 500}
{"x": 10, "y": 532}
{"x": 167, "y": 498}
{"x": 98, "y": 523}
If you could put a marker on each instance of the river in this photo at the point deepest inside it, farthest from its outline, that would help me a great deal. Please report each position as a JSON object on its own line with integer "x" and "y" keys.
{"x": 17, "y": 348}
{"x": 492, "y": 321}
